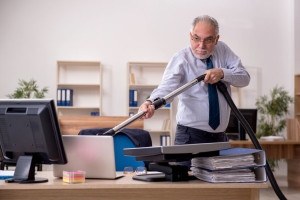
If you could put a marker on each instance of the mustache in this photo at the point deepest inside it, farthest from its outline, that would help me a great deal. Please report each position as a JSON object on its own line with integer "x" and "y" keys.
{"x": 201, "y": 50}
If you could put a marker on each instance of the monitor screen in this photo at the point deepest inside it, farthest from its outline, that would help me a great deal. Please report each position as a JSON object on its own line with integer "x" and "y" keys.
{"x": 235, "y": 129}
{"x": 30, "y": 135}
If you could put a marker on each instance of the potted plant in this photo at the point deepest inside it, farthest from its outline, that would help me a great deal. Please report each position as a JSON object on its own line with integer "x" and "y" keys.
{"x": 272, "y": 112}
{"x": 272, "y": 115}
{"x": 28, "y": 90}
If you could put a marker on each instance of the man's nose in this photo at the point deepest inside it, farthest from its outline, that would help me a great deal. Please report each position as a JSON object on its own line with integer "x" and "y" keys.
{"x": 201, "y": 45}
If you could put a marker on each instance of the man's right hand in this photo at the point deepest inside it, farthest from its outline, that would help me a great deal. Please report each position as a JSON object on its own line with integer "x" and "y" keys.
{"x": 148, "y": 109}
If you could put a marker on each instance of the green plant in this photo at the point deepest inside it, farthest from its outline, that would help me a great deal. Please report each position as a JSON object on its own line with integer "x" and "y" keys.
{"x": 28, "y": 90}
{"x": 272, "y": 112}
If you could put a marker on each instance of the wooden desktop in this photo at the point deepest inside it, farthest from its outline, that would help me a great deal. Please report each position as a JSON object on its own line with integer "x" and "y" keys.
{"x": 127, "y": 188}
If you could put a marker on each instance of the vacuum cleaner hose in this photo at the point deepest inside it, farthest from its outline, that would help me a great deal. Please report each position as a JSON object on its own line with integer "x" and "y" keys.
{"x": 223, "y": 89}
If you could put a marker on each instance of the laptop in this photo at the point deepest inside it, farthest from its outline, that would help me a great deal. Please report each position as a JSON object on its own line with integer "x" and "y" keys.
{"x": 93, "y": 154}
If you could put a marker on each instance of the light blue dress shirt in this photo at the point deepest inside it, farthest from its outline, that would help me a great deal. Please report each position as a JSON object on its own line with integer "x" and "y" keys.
{"x": 193, "y": 106}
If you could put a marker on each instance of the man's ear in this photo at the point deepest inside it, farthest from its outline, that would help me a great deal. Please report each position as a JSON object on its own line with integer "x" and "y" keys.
{"x": 217, "y": 39}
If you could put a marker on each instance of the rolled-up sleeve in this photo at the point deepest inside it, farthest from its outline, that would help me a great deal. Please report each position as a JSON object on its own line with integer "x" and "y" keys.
{"x": 171, "y": 80}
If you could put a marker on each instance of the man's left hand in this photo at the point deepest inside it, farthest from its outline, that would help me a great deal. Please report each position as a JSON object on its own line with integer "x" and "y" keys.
{"x": 213, "y": 75}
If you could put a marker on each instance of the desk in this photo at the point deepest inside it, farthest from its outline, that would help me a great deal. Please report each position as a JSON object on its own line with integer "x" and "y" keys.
{"x": 126, "y": 188}
{"x": 289, "y": 150}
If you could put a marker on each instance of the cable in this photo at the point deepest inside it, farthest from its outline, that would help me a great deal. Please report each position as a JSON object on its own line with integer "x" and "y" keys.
{"x": 223, "y": 89}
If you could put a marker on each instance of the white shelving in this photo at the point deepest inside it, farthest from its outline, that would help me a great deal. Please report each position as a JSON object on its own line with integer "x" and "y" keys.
{"x": 147, "y": 76}
{"x": 84, "y": 78}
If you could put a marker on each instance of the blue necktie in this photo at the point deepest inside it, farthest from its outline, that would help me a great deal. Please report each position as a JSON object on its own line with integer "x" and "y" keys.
{"x": 214, "y": 112}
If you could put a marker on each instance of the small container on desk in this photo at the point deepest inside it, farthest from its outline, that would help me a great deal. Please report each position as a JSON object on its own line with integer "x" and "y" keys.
{"x": 74, "y": 177}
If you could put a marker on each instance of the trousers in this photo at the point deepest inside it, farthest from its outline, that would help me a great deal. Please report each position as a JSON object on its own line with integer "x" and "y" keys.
{"x": 188, "y": 135}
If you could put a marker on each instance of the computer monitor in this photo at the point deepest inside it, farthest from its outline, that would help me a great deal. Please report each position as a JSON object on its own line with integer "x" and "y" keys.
{"x": 235, "y": 130}
{"x": 30, "y": 135}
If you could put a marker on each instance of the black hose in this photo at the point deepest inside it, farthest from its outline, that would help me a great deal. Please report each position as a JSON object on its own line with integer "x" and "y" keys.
{"x": 223, "y": 89}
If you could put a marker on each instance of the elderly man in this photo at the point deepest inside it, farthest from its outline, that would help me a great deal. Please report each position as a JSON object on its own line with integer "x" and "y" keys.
{"x": 203, "y": 113}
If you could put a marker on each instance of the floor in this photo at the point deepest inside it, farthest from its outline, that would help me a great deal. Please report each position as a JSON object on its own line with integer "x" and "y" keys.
{"x": 290, "y": 194}
{"x": 281, "y": 177}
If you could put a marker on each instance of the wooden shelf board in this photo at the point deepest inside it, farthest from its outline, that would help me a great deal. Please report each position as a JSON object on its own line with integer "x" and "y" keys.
{"x": 158, "y": 131}
{"x": 163, "y": 108}
{"x": 79, "y": 63}
{"x": 141, "y": 86}
{"x": 77, "y": 85}
{"x": 145, "y": 64}
{"x": 76, "y": 107}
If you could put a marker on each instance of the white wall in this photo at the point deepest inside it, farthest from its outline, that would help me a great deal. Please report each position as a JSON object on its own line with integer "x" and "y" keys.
{"x": 34, "y": 34}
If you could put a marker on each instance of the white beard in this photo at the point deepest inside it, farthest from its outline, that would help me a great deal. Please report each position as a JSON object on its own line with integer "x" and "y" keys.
{"x": 201, "y": 57}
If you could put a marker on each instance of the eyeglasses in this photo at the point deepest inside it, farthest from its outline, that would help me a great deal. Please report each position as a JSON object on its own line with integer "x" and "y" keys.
{"x": 206, "y": 41}
{"x": 138, "y": 171}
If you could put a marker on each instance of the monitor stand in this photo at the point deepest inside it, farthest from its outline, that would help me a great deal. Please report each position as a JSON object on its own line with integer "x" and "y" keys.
{"x": 161, "y": 159}
{"x": 242, "y": 132}
{"x": 169, "y": 173}
{"x": 25, "y": 171}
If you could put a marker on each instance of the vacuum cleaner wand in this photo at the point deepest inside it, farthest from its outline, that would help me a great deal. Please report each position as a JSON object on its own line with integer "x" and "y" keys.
{"x": 223, "y": 89}
{"x": 157, "y": 104}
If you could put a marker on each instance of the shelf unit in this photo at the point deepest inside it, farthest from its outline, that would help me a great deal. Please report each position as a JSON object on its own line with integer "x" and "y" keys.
{"x": 84, "y": 78}
{"x": 297, "y": 97}
{"x": 147, "y": 76}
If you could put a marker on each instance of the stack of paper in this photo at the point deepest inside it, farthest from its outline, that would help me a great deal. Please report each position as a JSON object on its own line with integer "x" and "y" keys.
{"x": 239, "y": 175}
{"x": 4, "y": 174}
{"x": 232, "y": 165}
{"x": 224, "y": 162}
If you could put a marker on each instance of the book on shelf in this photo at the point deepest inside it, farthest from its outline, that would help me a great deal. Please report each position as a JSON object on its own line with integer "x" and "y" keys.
{"x": 131, "y": 79}
{"x": 64, "y": 97}
{"x": 232, "y": 165}
{"x": 166, "y": 125}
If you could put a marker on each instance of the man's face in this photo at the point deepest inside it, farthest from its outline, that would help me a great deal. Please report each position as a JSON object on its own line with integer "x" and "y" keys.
{"x": 203, "y": 40}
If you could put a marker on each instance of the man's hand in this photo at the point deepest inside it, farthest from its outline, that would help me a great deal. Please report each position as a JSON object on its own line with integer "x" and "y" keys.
{"x": 213, "y": 75}
{"x": 148, "y": 109}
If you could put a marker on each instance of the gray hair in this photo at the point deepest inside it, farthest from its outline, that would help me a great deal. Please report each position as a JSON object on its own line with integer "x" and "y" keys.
{"x": 207, "y": 19}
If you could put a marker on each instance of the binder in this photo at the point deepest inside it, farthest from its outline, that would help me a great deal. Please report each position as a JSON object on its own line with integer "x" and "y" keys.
{"x": 69, "y": 97}
{"x": 165, "y": 140}
{"x": 232, "y": 165}
{"x": 244, "y": 175}
{"x": 135, "y": 100}
{"x": 232, "y": 158}
{"x": 131, "y": 97}
{"x": 63, "y": 97}
{"x": 58, "y": 101}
